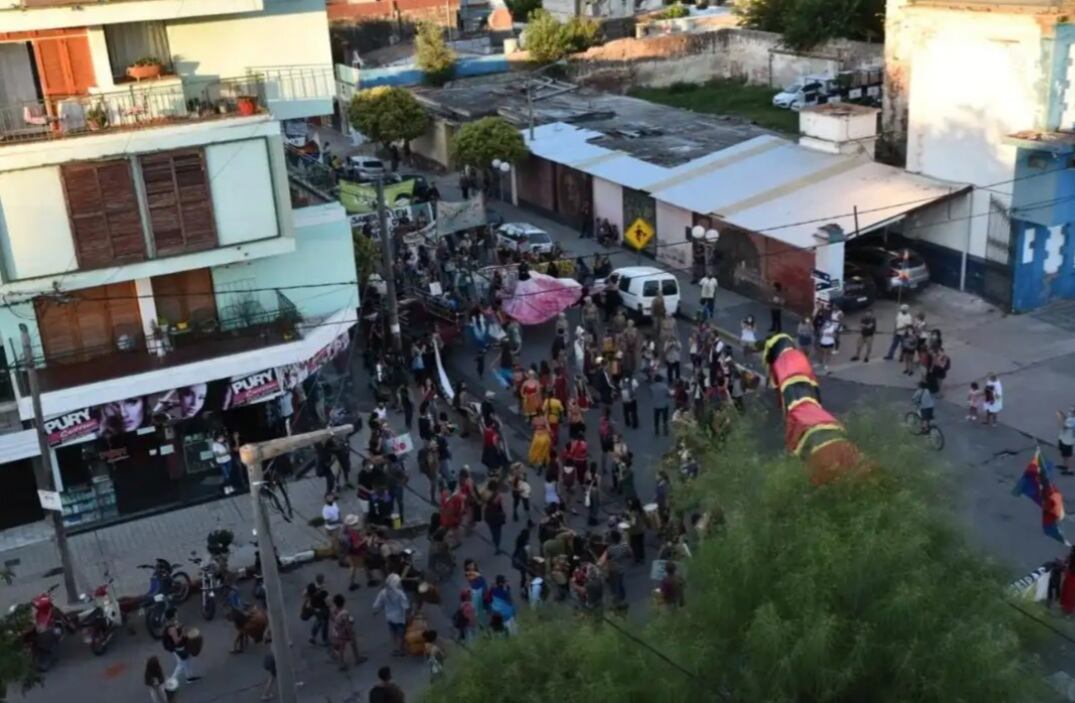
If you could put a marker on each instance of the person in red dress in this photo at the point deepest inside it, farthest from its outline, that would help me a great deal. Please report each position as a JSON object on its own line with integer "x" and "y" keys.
{"x": 530, "y": 395}
{"x": 559, "y": 385}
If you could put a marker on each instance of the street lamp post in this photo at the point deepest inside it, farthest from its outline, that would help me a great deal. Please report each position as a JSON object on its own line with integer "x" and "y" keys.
{"x": 501, "y": 168}
{"x": 708, "y": 237}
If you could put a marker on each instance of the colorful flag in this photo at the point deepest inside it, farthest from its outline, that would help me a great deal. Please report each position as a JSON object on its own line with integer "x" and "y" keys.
{"x": 1030, "y": 483}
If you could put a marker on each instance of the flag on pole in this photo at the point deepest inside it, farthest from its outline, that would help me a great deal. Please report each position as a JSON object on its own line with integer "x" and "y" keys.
{"x": 1036, "y": 484}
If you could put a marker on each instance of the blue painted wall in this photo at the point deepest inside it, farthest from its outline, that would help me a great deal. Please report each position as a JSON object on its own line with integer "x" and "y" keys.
{"x": 465, "y": 67}
{"x": 1034, "y": 282}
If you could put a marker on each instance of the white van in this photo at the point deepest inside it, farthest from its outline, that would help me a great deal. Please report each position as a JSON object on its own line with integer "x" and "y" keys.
{"x": 638, "y": 286}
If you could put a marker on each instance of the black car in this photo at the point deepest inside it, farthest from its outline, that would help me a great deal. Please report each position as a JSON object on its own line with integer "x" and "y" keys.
{"x": 890, "y": 270}
{"x": 859, "y": 290}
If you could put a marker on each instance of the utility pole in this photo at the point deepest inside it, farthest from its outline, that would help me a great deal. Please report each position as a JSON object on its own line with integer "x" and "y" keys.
{"x": 252, "y": 456}
{"x": 530, "y": 105}
{"x": 43, "y": 468}
{"x": 387, "y": 262}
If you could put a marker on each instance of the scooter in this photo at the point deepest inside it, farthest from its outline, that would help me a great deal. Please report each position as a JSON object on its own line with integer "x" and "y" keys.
{"x": 100, "y": 623}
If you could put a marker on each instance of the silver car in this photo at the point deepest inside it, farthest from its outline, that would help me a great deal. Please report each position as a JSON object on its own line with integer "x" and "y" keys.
{"x": 521, "y": 237}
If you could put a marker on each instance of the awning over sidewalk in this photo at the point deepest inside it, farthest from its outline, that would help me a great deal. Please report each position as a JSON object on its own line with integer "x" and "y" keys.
{"x": 18, "y": 445}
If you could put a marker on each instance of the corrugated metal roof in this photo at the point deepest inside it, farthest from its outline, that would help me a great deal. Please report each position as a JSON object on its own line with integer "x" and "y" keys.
{"x": 762, "y": 184}
{"x": 881, "y": 193}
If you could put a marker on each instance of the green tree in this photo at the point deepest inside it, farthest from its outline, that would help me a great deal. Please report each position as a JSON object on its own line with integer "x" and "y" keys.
{"x": 807, "y": 23}
{"x": 367, "y": 256}
{"x": 387, "y": 114}
{"x": 435, "y": 57}
{"x": 549, "y": 40}
{"x": 478, "y": 143}
{"x": 858, "y": 590}
{"x": 522, "y": 9}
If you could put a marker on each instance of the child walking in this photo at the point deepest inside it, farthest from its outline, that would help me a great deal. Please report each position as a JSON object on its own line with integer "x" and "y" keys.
{"x": 975, "y": 400}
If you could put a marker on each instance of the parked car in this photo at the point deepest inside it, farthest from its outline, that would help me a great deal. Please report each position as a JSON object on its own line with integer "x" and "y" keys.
{"x": 858, "y": 290}
{"x": 521, "y": 236}
{"x": 890, "y": 270}
{"x": 366, "y": 168}
{"x": 799, "y": 91}
{"x": 638, "y": 286}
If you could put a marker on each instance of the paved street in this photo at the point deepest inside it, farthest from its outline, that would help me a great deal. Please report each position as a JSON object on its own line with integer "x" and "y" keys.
{"x": 1034, "y": 355}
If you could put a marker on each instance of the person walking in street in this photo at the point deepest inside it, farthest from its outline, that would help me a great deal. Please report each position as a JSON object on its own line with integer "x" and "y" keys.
{"x": 343, "y": 633}
{"x": 1065, "y": 441}
{"x": 395, "y": 605}
{"x": 154, "y": 680}
{"x": 222, "y": 456}
{"x": 616, "y": 561}
{"x": 867, "y": 329}
{"x": 776, "y": 323}
{"x": 748, "y": 335}
{"x": 629, "y": 397}
{"x": 386, "y": 690}
{"x": 269, "y": 664}
{"x": 660, "y": 393}
{"x": 315, "y": 604}
{"x": 707, "y": 295}
{"x": 540, "y": 442}
{"x": 175, "y": 641}
{"x": 804, "y": 335}
{"x": 826, "y": 343}
{"x": 672, "y": 356}
{"x": 494, "y": 514}
{"x": 520, "y": 491}
{"x": 658, "y": 313}
{"x": 904, "y": 326}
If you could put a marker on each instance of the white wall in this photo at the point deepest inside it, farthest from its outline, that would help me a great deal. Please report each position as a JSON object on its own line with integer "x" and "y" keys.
{"x": 241, "y": 184}
{"x": 672, "y": 245}
{"x": 974, "y": 80}
{"x": 35, "y": 233}
{"x": 608, "y": 202}
{"x": 291, "y": 33}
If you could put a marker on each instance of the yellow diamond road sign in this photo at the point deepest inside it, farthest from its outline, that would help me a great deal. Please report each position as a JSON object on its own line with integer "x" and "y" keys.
{"x": 639, "y": 233}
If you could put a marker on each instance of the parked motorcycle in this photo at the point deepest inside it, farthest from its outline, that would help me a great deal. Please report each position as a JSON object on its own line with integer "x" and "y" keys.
{"x": 167, "y": 588}
{"x": 47, "y": 626}
{"x": 100, "y": 623}
{"x": 211, "y": 571}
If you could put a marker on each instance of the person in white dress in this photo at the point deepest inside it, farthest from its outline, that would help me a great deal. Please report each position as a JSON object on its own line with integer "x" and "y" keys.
{"x": 994, "y": 398}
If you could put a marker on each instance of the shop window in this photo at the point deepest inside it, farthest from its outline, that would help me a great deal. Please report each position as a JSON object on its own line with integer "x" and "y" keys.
{"x": 130, "y": 41}
{"x": 179, "y": 201}
{"x": 103, "y": 208}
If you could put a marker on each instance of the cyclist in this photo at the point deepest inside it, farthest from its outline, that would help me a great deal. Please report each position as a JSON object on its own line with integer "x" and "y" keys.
{"x": 923, "y": 402}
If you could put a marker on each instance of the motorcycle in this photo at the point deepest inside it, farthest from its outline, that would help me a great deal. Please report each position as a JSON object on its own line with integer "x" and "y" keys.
{"x": 48, "y": 626}
{"x": 167, "y": 588}
{"x": 211, "y": 571}
{"x": 100, "y": 623}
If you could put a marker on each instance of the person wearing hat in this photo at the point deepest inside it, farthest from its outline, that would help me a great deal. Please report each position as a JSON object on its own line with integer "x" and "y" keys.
{"x": 904, "y": 326}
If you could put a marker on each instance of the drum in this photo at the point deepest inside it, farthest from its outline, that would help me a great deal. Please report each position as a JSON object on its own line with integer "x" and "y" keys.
{"x": 194, "y": 641}
{"x": 413, "y": 639}
{"x": 653, "y": 517}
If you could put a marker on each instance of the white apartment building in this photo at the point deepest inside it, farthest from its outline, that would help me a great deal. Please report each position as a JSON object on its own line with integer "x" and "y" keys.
{"x": 173, "y": 278}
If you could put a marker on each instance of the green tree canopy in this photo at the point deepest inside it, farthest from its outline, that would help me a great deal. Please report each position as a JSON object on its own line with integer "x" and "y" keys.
{"x": 478, "y": 143}
{"x": 548, "y": 39}
{"x": 387, "y": 114}
{"x": 435, "y": 57}
{"x": 858, "y": 590}
{"x": 522, "y": 9}
{"x": 806, "y": 23}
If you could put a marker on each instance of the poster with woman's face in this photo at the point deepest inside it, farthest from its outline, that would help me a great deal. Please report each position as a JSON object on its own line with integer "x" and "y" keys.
{"x": 125, "y": 415}
{"x": 185, "y": 402}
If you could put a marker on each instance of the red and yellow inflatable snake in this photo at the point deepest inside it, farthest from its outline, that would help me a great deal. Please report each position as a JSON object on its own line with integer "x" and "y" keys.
{"x": 811, "y": 432}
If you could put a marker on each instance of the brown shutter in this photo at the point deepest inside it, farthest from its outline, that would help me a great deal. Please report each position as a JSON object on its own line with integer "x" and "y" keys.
{"x": 89, "y": 323}
{"x": 103, "y": 208}
{"x": 65, "y": 65}
{"x": 180, "y": 204}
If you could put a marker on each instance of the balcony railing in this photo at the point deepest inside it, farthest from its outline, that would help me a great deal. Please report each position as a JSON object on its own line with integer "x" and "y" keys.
{"x": 163, "y": 102}
{"x": 312, "y": 182}
{"x": 241, "y": 328}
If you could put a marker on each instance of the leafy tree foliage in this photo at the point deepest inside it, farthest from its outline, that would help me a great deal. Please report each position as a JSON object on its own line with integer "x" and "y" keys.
{"x": 806, "y": 23}
{"x": 858, "y": 590}
{"x": 478, "y": 143}
{"x": 435, "y": 57}
{"x": 522, "y": 9}
{"x": 387, "y": 114}
{"x": 548, "y": 39}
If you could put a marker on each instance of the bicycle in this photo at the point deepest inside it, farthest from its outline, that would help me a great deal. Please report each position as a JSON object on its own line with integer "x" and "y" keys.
{"x": 917, "y": 425}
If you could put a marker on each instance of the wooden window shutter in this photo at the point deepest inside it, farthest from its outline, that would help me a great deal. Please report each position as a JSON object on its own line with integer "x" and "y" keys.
{"x": 103, "y": 208}
{"x": 65, "y": 65}
{"x": 89, "y": 323}
{"x": 179, "y": 200}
